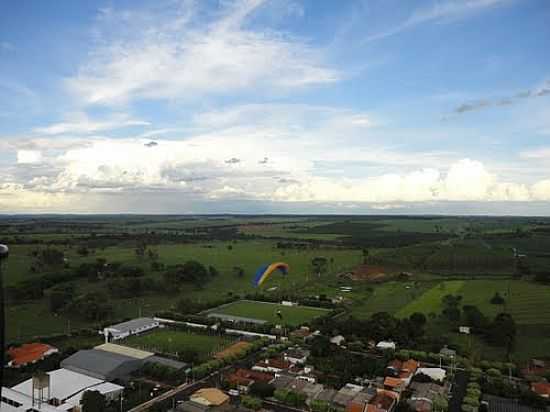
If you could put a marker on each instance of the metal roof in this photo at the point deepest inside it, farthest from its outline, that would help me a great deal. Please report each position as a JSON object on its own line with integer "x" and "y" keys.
{"x": 97, "y": 363}
{"x": 66, "y": 385}
{"x": 124, "y": 350}
{"x": 132, "y": 325}
{"x": 166, "y": 362}
{"x": 24, "y": 401}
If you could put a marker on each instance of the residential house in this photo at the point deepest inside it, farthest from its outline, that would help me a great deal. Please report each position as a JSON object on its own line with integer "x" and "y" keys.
{"x": 384, "y": 401}
{"x": 273, "y": 365}
{"x": 423, "y": 395}
{"x": 541, "y": 389}
{"x": 437, "y": 374}
{"x": 296, "y": 355}
{"x": 346, "y": 394}
{"x": 206, "y": 400}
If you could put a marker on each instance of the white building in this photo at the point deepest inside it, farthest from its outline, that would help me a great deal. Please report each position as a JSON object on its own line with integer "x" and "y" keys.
{"x": 132, "y": 327}
{"x": 337, "y": 340}
{"x": 385, "y": 345}
{"x": 67, "y": 387}
{"x": 437, "y": 374}
{"x": 14, "y": 401}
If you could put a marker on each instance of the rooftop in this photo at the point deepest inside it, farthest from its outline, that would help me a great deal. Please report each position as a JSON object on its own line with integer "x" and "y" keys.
{"x": 97, "y": 361}
{"x": 209, "y": 397}
{"x": 12, "y": 397}
{"x": 132, "y": 325}
{"x": 66, "y": 384}
{"x": 498, "y": 404}
{"x": 124, "y": 350}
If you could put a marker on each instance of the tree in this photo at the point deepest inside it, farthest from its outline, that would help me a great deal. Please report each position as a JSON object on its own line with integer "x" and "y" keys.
{"x": 319, "y": 264}
{"x": 262, "y": 389}
{"x": 238, "y": 271}
{"x": 502, "y": 331}
{"x": 440, "y": 403}
{"x": 82, "y": 251}
{"x": 60, "y": 296}
{"x": 93, "y": 401}
{"x": 251, "y": 402}
{"x": 212, "y": 271}
{"x": 418, "y": 319}
{"x": 140, "y": 249}
{"x": 474, "y": 318}
{"x": 497, "y": 299}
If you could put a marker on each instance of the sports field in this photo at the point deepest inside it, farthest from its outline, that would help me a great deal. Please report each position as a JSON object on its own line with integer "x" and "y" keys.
{"x": 168, "y": 341}
{"x": 263, "y": 311}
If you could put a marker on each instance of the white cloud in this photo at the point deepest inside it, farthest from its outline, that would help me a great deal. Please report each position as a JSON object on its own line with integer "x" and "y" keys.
{"x": 171, "y": 58}
{"x": 29, "y": 156}
{"x": 439, "y": 11}
{"x": 80, "y": 123}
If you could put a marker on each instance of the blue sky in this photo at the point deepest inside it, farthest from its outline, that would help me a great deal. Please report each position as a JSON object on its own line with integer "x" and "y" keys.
{"x": 284, "y": 106}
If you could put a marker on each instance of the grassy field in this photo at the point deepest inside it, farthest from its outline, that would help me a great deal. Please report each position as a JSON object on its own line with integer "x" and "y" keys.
{"x": 169, "y": 341}
{"x": 528, "y": 302}
{"x": 430, "y": 301}
{"x": 387, "y": 297}
{"x": 292, "y": 315}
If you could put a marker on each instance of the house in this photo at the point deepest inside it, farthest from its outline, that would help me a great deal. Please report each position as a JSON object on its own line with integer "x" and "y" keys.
{"x": 296, "y": 355}
{"x": 131, "y": 327}
{"x": 273, "y": 365}
{"x": 100, "y": 364}
{"x": 66, "y": 388}
{"x": 423, "y": 395}
{"x": 326, "y": 395}
{"x": 402, "y": 370}
{"x": 361, "y": 400}
{"x": 394, "y": 384}
{"x": 210, "y": 397}
{"x": 437, "y": 374}
{"x": 346, "y": 394}
{"x": 29, "y": 353}
{"x": 384, "y": 401}
{"x": 337, "y": 340}
{"x": 464, "y": 330}
{"x": 541, "y": 389}
{"x": 282, "y": 381}
{"x": 244, "y": 378}
{"x": 206, "y": 400}
{"x": 312, "y": 390}
{"x": 385, "y": 345}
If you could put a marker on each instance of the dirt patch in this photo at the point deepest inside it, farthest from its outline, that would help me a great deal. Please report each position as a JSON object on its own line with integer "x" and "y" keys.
{"x": 369, "y": 273}
{"x": 232, "y": 350}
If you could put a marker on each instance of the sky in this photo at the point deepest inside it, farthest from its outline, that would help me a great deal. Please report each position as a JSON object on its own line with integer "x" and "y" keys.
{"x": 275, "y": 106}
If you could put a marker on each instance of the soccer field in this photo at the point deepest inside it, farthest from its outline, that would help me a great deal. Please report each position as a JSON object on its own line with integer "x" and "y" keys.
{"x": 267, "y": 312}
{"x": 168, "y": 341}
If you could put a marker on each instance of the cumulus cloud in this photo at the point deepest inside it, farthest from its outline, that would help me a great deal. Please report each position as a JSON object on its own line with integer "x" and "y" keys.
{"x": 29, "y": 156}
{"x": 173, "y": 58}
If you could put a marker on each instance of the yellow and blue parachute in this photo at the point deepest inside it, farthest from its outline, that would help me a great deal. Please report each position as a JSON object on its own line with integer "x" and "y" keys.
{"x": 265, "y": 271}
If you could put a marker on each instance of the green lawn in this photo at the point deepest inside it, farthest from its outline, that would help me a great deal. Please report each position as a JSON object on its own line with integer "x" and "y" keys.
{"x": 168, "y": 341}
{"x": 292, "y": 315}
{"x": 388, "y": 297}
{"x": 430, "y": 301}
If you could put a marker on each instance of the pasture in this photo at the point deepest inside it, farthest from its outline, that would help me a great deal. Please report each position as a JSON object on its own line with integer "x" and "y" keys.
{"x": 263, "y": 311}
{"x": 173, "y": 342}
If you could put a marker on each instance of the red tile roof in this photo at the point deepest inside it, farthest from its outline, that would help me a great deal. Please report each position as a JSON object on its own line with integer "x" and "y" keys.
{"x": 393, "y": 382}
{"x": 28, "y": 353}
{"x": 254, "y": 375}
{"x": 541, "y": 388}
{"x": 355, "y": 407}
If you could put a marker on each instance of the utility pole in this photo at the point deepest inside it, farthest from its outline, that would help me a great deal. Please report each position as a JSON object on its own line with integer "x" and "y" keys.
{"x": 4, "y": 253}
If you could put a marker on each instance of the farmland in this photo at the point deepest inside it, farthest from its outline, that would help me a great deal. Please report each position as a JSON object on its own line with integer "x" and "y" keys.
{"x": 291, "y": 315}
{"x": 471, "y": 256}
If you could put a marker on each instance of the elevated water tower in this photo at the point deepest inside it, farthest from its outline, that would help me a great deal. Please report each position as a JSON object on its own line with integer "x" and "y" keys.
{"x": 40, "y": 388}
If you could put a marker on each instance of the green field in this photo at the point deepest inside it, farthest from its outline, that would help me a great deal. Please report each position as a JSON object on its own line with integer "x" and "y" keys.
{"x": 292, "y": 315}
{"x": 528, "y": 302}
{"x": 172, "y": 342}
{"x": 430, "y": 301}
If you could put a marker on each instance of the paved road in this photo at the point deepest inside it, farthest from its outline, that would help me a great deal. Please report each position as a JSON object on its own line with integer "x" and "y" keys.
{"x": 459, "y": 390}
